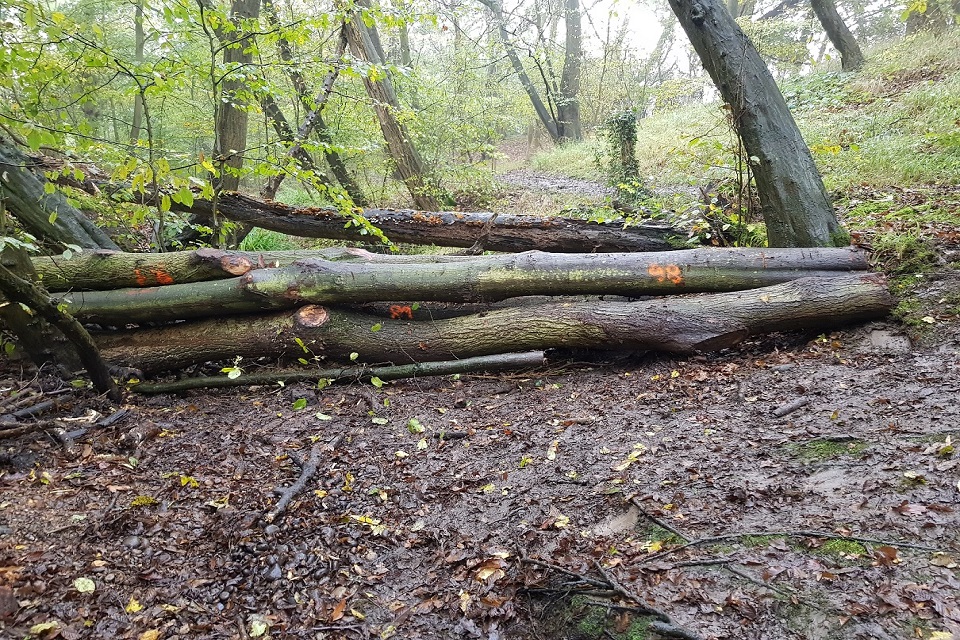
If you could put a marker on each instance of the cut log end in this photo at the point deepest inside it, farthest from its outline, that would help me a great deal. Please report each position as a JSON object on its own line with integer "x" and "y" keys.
{"x": 312, "y": 316}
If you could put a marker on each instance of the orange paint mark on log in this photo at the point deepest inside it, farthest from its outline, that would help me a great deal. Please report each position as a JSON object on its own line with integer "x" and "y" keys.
{"x": 674, "y": 274}
{"x": 162, "y": 276}
{"x": 671, "y": 272}
{"x": 401, "y": 312}
{"x": 141, "y": 281}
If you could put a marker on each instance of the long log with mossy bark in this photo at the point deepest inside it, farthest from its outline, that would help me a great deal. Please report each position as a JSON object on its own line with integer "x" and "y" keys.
{"x": 486, "y": 278}
{"x": 678, "y": 324}
{"x": 103, "y": 270}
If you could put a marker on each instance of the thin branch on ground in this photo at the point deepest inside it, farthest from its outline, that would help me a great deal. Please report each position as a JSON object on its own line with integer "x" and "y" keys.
{"x": 307, "y": 471}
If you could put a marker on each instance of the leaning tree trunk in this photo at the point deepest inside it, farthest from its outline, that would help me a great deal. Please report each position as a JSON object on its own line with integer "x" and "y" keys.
{"x": 45, "y": 215}
{"x": 40, "y": 341}
{"x": 410, "y": 166}
{"x": 851, "y": 58}
{"x": 16, "y": 289}
{"x": 548, "y": 119}
{"x": 480, "y": 279}
{"x": 795, "y": 204}
{"x": 677, "y": 325}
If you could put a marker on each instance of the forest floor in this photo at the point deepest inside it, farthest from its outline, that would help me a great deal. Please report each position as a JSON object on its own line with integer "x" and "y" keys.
{"x": 593, "y": 499}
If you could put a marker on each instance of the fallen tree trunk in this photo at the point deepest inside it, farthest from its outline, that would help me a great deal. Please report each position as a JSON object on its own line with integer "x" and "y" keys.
{"x": 102, "y": 270}
{"x": 677, "y": 325}
{"x": 509, "y": 233}
{"x": 480, "y": 279}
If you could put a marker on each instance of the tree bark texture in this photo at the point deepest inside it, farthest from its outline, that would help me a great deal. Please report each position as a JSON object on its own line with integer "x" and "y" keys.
{"x": 410, "y": 167}
{"x": 445, "y": 228}
{"x": 568, "y": 102}
{"x": 45, "y": 215}
{"x": 795, "y": 204}
{"x": 851, "y": 58}
{"x": 675, "y": 324}
{"x": 481, "y": 279}
{"x": 232, "y": 121}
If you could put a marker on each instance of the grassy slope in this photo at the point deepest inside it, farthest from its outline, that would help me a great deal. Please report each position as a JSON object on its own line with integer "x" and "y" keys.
{"x": 895, "y": 123}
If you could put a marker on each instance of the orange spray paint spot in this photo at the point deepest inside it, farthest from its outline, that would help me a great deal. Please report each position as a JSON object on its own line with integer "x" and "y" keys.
{"x": 162, "y": 276}
{"x": 671, "y": 272}
{"x": 656, "y": 271}
{"x": 141, "y": 281}
{"x": 674, "y": 274}
{"x": 401, "y": 312}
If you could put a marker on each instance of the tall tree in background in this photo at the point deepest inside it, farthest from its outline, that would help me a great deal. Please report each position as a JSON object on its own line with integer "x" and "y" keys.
{"x": 851, "y": 58}
{"x": 568, "y": 99}
{"x": 795, "y": 204}
{"x": 560, "y": 114}
{"x": 230, "y": 141}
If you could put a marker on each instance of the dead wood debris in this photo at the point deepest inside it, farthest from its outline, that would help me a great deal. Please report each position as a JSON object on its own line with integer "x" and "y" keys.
{"x": 609, "y": 587}
{"x": 308, "y": 469}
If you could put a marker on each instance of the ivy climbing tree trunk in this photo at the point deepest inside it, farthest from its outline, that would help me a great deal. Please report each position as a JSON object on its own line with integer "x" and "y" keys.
{"x": 794, "y": 202}
{"x": 851, "y": 57}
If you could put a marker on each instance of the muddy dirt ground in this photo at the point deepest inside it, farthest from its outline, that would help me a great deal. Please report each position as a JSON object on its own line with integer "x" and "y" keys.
{"x": 524, "y": 499}
{"x": 798, "y": 486}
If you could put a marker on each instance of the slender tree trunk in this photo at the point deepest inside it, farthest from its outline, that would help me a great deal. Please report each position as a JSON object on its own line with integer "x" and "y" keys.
{"x": 38, "y": 339}
{"x": 16, "y": 289}
{"x": 139, "y": 40}
{"x": 851, "y": 57}
{"x": 232, "y": 123}
{"x": 545, "y": 116}
{"x": 568, "y": 102}
{"x": 313, "y": 121}
{"x": 794, "y": 202}
{"x": 410, "y": 166}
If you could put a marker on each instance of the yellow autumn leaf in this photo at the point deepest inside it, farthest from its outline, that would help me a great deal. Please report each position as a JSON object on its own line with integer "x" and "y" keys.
{"x": 133, "y": 606}
{"x": 149, "y": 634}
{"x": 38, "y": 629}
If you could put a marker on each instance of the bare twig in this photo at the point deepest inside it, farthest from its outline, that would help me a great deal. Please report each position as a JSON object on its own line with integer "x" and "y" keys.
{"x": 307, "y": 471}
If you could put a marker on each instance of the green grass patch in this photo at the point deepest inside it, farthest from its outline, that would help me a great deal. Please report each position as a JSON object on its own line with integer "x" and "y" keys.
{"x": 755, "y": 542}
{"x": 822, "y": 449}
{"x": 265, "y": 240}
{"x": 841, "y": 551}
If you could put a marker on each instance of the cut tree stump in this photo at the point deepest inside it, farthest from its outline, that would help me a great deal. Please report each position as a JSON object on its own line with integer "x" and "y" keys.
{"x": 680, "y": 324}
{"x": 478, "y": 279}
